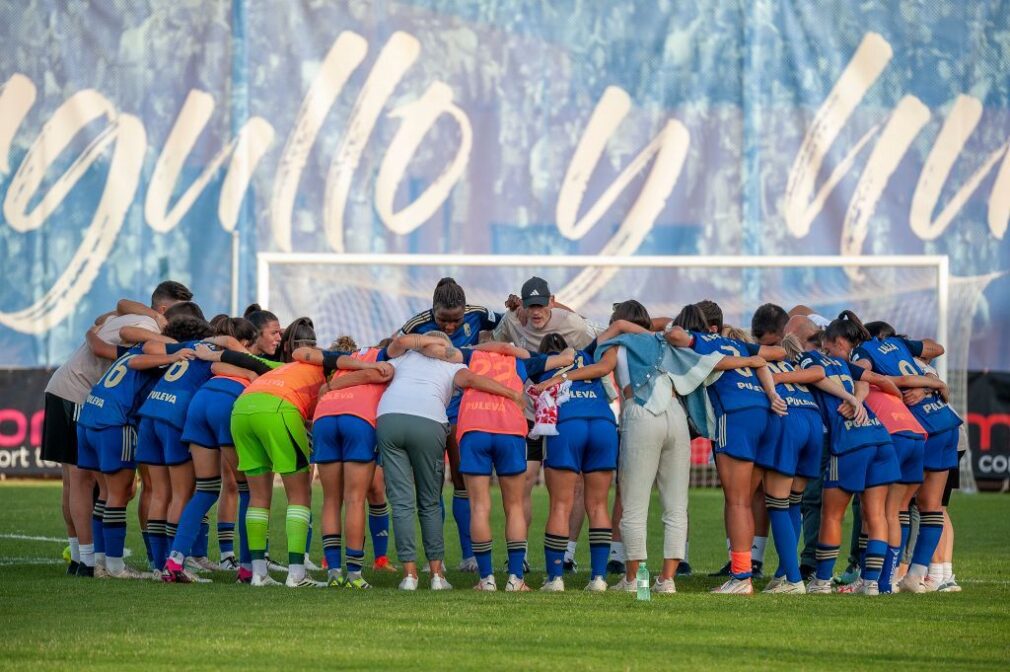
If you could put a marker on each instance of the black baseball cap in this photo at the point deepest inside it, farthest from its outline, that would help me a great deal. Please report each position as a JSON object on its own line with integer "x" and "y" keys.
{"x": 536, "y": 292}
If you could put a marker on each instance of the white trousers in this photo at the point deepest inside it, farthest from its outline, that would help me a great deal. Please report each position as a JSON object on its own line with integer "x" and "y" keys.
{"x": 654, "y": 449}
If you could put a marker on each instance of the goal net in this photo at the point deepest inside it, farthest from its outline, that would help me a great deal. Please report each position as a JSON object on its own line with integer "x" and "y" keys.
{"x": 369, "y": 297}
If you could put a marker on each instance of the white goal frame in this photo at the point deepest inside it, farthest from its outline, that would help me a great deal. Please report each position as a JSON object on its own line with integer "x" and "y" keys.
{"x": 264, "y": 261}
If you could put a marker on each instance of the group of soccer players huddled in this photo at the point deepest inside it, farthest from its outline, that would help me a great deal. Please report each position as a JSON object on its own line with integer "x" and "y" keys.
{"x": 804, "y": 414}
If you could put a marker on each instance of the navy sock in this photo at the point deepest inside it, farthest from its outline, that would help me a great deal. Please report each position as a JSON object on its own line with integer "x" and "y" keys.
{"x": 226, "y": 538}
{"x": 599, "y": 550}
{"x": 355, "y": 558}
{"x": 887, "y": 571}
{"x": 114, "y": 531}
{"x": 147, "y": 546}
{"x": 244, "y": 556}
{"x": 461, "y": 514}
{"x": 482, "y": 550}
{"x": 517, "y": 556}
{"x": 201, "y": 544}
{"x": 826, "y": 556}
{"x": 876, "y": 549}
{"x": 97, "y": 523}
{"x": 554, "y": 553}
{"x": 332, "y": 551}
{"x": 171, "y": 529}
{"x": 796, "y": 513}
{"x": 378, "y": 528}
{"x": 905, "y": 519}
{"x": 784, "y": 536}
{"x": 930, "y": 529}
{"x": 156, "y": 533}
{"x": 191, "y": 521}
{"x": 308, "y": 537}
{"x": 863, "y": 540}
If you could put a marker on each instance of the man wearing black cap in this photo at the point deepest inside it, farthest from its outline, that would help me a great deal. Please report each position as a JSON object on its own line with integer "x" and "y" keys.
{"x": 542, "y": 317}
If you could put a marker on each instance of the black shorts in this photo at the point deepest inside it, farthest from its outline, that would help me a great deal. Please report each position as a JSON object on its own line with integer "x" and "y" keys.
{"x": 59, "y": 430}
{"x": 534, "y": 447}
{"x": 953, "y": 481}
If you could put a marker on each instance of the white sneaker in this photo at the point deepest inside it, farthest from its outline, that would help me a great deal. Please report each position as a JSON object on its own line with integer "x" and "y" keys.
{"x": 667, "y": 587}
{"x": 516, "y": 585}
{"x": 487, "y": 584}
{"x": 735, "y": 587}
{"x": 258, "y": 581}
{"x": 101, "y": 572}
{"x": 950, "y": 586}
{"x": 597, "y": 584}
{"x": 306, "y": 582}
{"x": 409, "y": 582}
{"x": 553, "y": 585}
{"x": 228, "y": 564}
{"x": 772, "y": 586}
{"x": 276, "y": 566}
{"x": 623, "y": 584}
{"x": 785, "y": 587}
{"x": 870, "y": 588}
{"x": 911, "y": 584}
{"x": 199, "y": 565}
{"x": 819, "y": 586}
{"x": 311, "y": 566}
{"x": 931, "y": 584}
{"x": 468, "y": 565}
{"x": 438, "y": 582}
{"x": 854, "y": 588}
{"x": 128, "y": 573}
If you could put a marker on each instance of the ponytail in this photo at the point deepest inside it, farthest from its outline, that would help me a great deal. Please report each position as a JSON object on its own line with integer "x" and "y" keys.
{"x": 792, "y": 346}
{"x": 849, "y": 327}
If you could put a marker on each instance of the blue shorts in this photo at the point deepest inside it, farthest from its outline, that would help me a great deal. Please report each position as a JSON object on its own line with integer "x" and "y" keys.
{"x": 479, "y": 451}
{"x": 208, "y": 420}
{"x": 909, "y": 450}
{"x": 797, "y": 450}
{"x": 107, "y": 450}
{"x": 160, "y": 443}
{"x": 583, "y": 445}
{"x": 343, "y": 438}
{"x": 746, "y": 433}
{"x": 863, "y": 468}
{"x": 940, "y": 453}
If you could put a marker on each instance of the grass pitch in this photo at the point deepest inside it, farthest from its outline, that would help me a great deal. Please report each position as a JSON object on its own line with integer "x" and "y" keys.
{"x": 50, "y": 621}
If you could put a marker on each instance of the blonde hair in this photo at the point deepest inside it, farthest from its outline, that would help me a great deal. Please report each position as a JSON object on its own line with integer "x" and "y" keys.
{"x": 729, "y": 331}
{"x": 344, "y": 343}
{"x": 792, "y": 346}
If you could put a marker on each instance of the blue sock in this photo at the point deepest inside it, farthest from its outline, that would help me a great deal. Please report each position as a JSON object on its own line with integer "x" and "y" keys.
{"x": 355, "y": 558}
{"x": 482, "y": 549}
{"x": 202, "y": 542}
{"x": 226, "y": 538}
{"x": 378, "y": 528}
{"x": 863, "y": 540}
{"x": 331, "y": 551}
{"x": 114, "y": 531}
{"x": 876, "y": 549}
{"x": 147, "y": 546}
{"x": 517, "y": 556}
{"x": 171, "y": 529}
{"x": 826, "y": 556}
{"x": 930, "y": 529}
{"x": 784, "y": 536}
{"x": 191, "y": 521}
{"x": 244, "y": 556}
{"x": 796, "y": 514}
{"x": 461, "y": 514}
{"x": 905, "y": 518}
{"x": 599, "y": 550}
{"x": 554, "y": 554}
{"x": 97, "y": 522}
{"x": 887, "y": 572}
{"x": 156, "y": 533}
{"x": 308, "y": 537}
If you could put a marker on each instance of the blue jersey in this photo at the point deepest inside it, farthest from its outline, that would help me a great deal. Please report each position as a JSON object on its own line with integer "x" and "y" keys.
{"x": 475, "y": 320}
{"x": 846, "y": 435}
{"x": 736, "y": 389}
{"x": 587, "y": 398}
{"x": 794, "y": 394}
{"x": 118, "y": 394}
{"x": 169, "y": 399}
{"x": 896, "y": 357}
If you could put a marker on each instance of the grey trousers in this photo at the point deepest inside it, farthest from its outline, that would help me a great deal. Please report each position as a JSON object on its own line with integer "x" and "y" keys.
{"x": 413, "y": 457}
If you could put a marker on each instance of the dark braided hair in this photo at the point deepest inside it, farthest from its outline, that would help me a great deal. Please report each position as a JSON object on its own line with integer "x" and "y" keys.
{"x": 448, "y": 294}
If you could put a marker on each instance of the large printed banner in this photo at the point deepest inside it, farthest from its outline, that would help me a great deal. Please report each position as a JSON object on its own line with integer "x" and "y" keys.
{"x": 139, "y": 138}
{"x": 989, "y": 425}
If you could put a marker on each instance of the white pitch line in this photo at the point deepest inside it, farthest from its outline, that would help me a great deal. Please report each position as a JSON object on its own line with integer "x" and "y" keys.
{"x": 28, "y": 537}
{"x": 4, "y": 562}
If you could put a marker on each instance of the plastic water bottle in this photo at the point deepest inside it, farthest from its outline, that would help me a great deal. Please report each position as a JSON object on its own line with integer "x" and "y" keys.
{"x": 642, "y": 583}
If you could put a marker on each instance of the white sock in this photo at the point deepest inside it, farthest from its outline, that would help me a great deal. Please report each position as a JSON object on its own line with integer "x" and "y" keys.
{"x": 75, "y": 549}
{"x": 617, "y": 551}
{"x": 757, "y": 550}
{"x": 916, "y": 569}
{"x": 114, "y": 565}
{"x": 936, "y": 571}
{"x": 259, "y": 567}
{"x": 88, "y": 554}
{"x": 334, "y": 573}
{"x": 570, "y": 553}
{"x": 177, "y": 557}
{"x": 227, "y": 554}
{"x": 948, "y": 571}
{"x": 296, "y": 572}
{"x": 99, "y": 559}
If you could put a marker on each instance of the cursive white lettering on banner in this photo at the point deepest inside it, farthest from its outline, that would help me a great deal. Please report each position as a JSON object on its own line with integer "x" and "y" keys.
{"x": 17, "y": 96}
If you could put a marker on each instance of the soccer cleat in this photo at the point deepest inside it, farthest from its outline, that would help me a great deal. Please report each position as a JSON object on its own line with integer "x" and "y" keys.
{"x": 870, "y": 588}
{"x": 72, "y": 568}
{"x": 807, "y": 572}
{"x": 755, "y": 569}
{"x": 516, "y": 585}
{"x": 244, "y": 575}
{"x": 931, "y": 584}
{"x": 438, "y": 582}
{"x": 626, "y": 585}
{"x": 200, "y": 565}
{"x": 276, "y": 566}
{"x": 785, "y": 587}
{"x": 735, "y": 586}
{"x": 382, "y": 564}
{"x": 311, "y": 566}
{"x": 260, "y": 580}
{"x": 85, "y": 572}
{"x": 468, "y": 565}
{"x": 597, "y": 584}
{"x": 228, "y": 564}
{"x": 101, "y": 572}
{"x": 409, "y": 582}
{"x": 556, "y": 585}
{"x": 487, "y": 584}
{"x": 128, "y": 573}
{"x": 850, "y": 574}
{"x": 570, "y": 566}
{"x": 615, "y": 567}
{"x": 722, "y": 571}
{"x": 661, "y": 587}
{"x": 949, "y": 586}
{"x": 853, "y": 588}
{"x": 819, "y": 586}
{"x": 911, "y": 584}
{"x": 773, "y": 584}
{"x": 306, "y": 582}
{"x": 684, "y": 569}
{"x": 357, "y": 582}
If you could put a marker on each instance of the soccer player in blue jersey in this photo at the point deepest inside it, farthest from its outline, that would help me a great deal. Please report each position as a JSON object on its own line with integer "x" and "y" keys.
{"x": 462, "y": 323}
{"x": 743, "y": 401}
{"x": 862, "y": 462}
{"x": 894, "y": 356}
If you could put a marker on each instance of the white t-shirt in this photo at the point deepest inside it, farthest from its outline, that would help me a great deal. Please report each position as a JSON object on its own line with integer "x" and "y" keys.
{"x": 74, "y": 380}
{"x": 576, "y": 330}
{"x": 422, "y": 386}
